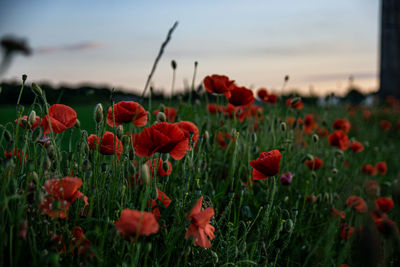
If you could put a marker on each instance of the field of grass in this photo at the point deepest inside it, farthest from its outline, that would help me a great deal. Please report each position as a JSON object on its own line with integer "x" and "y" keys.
{"x": 265, "y": 222}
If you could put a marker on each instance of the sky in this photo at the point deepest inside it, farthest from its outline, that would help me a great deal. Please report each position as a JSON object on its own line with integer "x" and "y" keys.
{"x": 318, "y": 43}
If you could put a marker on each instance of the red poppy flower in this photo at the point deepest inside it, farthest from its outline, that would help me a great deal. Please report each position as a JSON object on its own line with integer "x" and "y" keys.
{"x": 314, "y": 164}
{"x": 61, "y": 118}
{"x": 286, "y": 178}
{"x": 20, "y": 155}
{"x": 295, "y": 105}
{"x": 338, "y": 213}
{"x": 134, "y": 223}
{"x": 169, "y": 112}
{"x": 262, "y": 93}
{"x": 356, "y": 147}
{"x": 381, "y": 167}
{"x": 241, "y": 96}
{"x": 272, "y": 98}
{"x": 385, "y": 204}
{"x": 200, "y": 226}
{"x": 322, "y": 132}
{"x": 165, "y": 201}
{"x": 342, "y": 124}
{"x": 367, "y": 114}
{"x": 267, "y": 164}
{"x": 189, "y": 129}
{"x": 223, "y": 139}
{"x": 214, "y": 108}
{"x": 127, "y": 112}
{"x": 158, "y": 165}
{"x": 385, "y": 125}
{"x": 345, "y": 231}
{"x": 369, "y": 169}
{"x": 357, "y": 203}
{"x": 218, "y": 84}
{"x": 231, "y": 111}
{"x": 162, "y": 137}
{"x": 290, "y": 121}
{"x": 256, "y": 111}
{"x": 62, "y": 192}
{"x": 371, "y": 188}
{"x": 309, "y": 123}
{"x": 311, "y": 199}
{"x": 34, "y": 125}
{"x": 338, "y": 139}
{"x": 386, "y": 226}
{"x": 107, "y": 146}
{"x": 80, "y": 243}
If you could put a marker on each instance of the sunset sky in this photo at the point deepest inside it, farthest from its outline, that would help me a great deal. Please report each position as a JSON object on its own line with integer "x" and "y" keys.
{"x": 319, "y": 44}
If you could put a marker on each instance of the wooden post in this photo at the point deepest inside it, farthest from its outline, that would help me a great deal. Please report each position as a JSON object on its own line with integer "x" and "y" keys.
{"x": 390, "y": 48}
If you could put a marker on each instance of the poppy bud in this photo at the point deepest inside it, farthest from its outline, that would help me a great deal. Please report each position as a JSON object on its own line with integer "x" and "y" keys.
{"x": 309, "y": 157}
{"x": 334, "y": 171}
{"x": 162, "y": 107}
{"x": 165, "y": 156}
{"x": 131, "y": 153}
{"x": 77, "y": 124}
{"x": 286, "y": 199}
{"x": 315, "y": 138}
{"x": 195, "y": 64}
{"x": 86, "y": 165}
{"x": 285, "y": 214}
{"x": 255, "y": 150}
{"x": 165, "y": 166}
{"x": 338, "y": 153}
{"x": 283, "y": 126}
{"x": 51, "y": 152}
{"x": 295, "y": 101}
{"x": 24, "y": 77}
{"x": 287, "y": 78}
{"x": 46, "y": 163}
{"x": 36, "y": 134}
{"x": 206, "y": 135}
{"x": 37, "y": 90}
{"x": 161, "y": 117}
{"x": 326, "y": 197}
{"x": 34, "y": 176}
{"x": 7, "y": 136}
{"x": 145, "y": 174}
{"x": 288, "y": 225}
{"x": 32, "y": 118}
{"x": 98, "y": 113}
{"x": 254, "y": 138}
{"x": 20, "y": 109}
{"x": 85, "y": 148}
{"x": 329, "y": 180}
{"x": 173, "y": 64}
{"x": 125, "y": 140}
{"x": 120, "y": 131}
{"x": 197, "y": 102}
{"x": 24, "y": 123}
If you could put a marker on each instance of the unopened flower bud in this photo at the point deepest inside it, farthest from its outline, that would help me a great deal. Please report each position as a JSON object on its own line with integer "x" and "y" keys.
{"x": 197, "y": 102}
{"x": 46, "y": 163}
{"x": 98, "y": 113}
{"x": 206, "y": 136}
{"x": 287, "y": 78}
{"x": 329, "y": 180}
{"x": 78, "y": 124}
{"x": 7, "y": 136}
{"x": 86, "y": 165}
{"x": 255, "y": 149}
{"x": 36, "y": 134}
{"x": 254, "y": 138}
{"x": 295, "y": 101}
{"x": 24, "y": 77}
{"x": 334, "y": 171}
{"x": 145, "y": 174}
{"x": 24, "y": 123}
{"x": 173, "y": 64}
{"x": 84, "y": 134}
{"x": 288, "y": 225}
{"x": 51, "y": 152}
{"x": 161, "y": 117}
{"x": 120, "y": 131}
{"x": 339, "y": 153}
{"x": 165, "y": 166}
{"x": 283, "y": 126}
{"x": 37, "y": 90}
{"x": 32, "y": 118}
{"x": 315, "y": 138}
{"x": 125, "y": 140}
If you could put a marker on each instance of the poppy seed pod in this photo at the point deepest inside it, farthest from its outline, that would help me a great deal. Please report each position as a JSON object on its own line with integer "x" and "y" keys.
{"x": 173, "y": 64}
{"x": 161, "y": 117}
{"x": 315, "y": 138}
{"x": 283, "y": 126}
{"x": 24, "y": 77}
{"x": 32, "y": 118}
{"x": 98, "y": 113}
{"x": 145, "y": 174}
{"x": 120, "y": 131}
{"x": 37, "y": 90}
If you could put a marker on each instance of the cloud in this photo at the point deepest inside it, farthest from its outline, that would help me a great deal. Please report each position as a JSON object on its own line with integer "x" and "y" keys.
{"x": 82, "y": 46}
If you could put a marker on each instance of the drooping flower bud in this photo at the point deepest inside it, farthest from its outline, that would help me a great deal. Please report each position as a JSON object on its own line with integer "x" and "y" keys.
{"x": 32, "y": 118}
{"x": 161, "y": 117}
{"x": 315, "y": 138}
{"x": 125, "y": 140}
{"x": 98, "y": 113}
{"x": 145, "y": 174}
{"x": 37, "y": 90}
{"x": 283, "y": 126}
{"x": 173, "y": 64}
{"x": 120, "y": 131}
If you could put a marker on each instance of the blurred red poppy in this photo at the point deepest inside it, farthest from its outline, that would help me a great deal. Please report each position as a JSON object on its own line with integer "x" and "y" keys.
{"x": 62, "y": 193}
{"x": 345, "y": 231}
{"x": 61, "y": 117}
{"x": 356, "y": 147}
{"x": 262, "y": 94}
{"x": 223, "y": 139}
{"x": 369, "y": 169}
{"x": 294, "y": 104}
{"x": 200, "y": 226}
{"x": 163, "y": 199}
{"x": 322, "y": 132}
{"x": 231, "y": 111}
{"x": 19, "y": 155}
{"x": 371, "y": 188}
{"x": 309, "y": 123}
{"x": 338, "y": 213}
{"x": 386, "y": 226}
{"x": 34, "y": 125}
{"x": 381, "y": 167}
{"x": 214, "y": 108}
{"x": 162, "y": 137}
{"x": 127, "y": 112}
{"x": 314, "y": 164}
{"x": 338, "y": 139}
{"x": 342, "y": 124}
{"x": 357, "y": 203}
{"x": 218, "y": 84}
{"x": 80, "y": 244}
{"x": 385, "y": 125}
{"x": 134, "y": 223}
{"x": 241, "y": 96}
{"x": 190, "y": 130}
{"x": 169, "y": 112}
{"x": 385, "y": 204}
{"x": 267, "y": 164}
